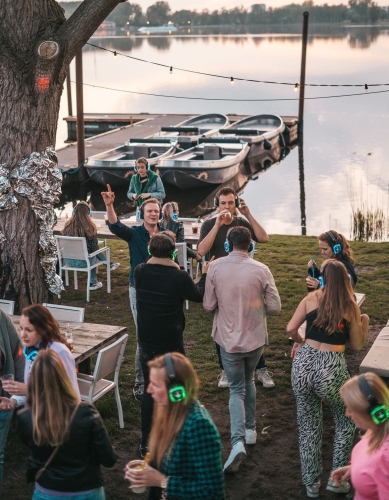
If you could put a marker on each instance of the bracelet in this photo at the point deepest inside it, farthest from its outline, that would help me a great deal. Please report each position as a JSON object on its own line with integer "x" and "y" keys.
{"x": 164, "y": 482}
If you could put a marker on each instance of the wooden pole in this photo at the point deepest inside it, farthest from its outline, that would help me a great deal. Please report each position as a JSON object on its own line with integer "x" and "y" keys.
{"x": 80, "y": 110}
{"x": 302, "y": 185}
{"x": 69, "y": 92}
{"x": 302, "y": 72}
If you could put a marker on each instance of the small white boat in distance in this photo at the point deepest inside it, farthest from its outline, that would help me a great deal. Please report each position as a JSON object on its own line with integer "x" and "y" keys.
{"x": 165, "y": 28}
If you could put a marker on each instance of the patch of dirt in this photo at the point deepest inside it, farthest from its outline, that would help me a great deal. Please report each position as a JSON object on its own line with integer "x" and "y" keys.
{"x": 365, "y": 269}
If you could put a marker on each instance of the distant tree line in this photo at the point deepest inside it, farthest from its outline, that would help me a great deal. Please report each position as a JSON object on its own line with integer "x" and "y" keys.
{"x": 357, "y": 11}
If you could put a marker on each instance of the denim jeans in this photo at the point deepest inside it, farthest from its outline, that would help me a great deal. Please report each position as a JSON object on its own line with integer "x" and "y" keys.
{"x": 82, "y": 263}
{"x": 97, "y": 494}
{"x": 148, "y": 352}
{"x": 239, "y": 368}
{"x": 5, "y": 422}
{"x": 261, "y": 362}
{"x": 138, "y": 367}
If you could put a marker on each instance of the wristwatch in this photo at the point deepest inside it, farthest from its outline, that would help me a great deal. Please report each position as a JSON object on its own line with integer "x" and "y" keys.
{"x": 164, "y": 482}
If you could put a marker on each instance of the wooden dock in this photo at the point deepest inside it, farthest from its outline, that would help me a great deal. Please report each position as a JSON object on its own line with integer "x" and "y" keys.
{"x": 143, "y": 125}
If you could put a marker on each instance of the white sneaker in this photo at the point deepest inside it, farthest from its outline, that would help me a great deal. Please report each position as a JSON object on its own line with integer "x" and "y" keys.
{"x": 237, "y": 456}
{"x": 114, "y": 265}
{"x": 95, "y": 286}
{"x": 251, "y": 436}
{"x": 264, "y": 376}
{"x": 223, "y": 382}
{"x": 313, "y": 490}
{"x": 343, "y": 488}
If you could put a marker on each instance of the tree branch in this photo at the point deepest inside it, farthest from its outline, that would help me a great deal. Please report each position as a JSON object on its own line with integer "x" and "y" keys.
{"x": 81, "y": 25}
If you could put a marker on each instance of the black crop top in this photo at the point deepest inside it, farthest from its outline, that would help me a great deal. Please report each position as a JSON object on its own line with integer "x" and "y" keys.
{"x": 313, "y": 332}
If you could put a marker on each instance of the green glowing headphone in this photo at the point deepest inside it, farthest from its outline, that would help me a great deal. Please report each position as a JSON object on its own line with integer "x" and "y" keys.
{"x": 378, "y": 412}
{"x": 176, "y": 391}
{"x": 173, "y": 255}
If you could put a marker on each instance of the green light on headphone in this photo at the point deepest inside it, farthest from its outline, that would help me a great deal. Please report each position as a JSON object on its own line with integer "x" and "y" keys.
{"x": 177, "y": 393}
{"x": 379, "y": 414}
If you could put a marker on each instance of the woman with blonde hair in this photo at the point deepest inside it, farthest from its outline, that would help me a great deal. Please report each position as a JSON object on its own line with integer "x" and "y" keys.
{"x": 170, "y": 222}
{"x": 81, "y": 224}
{"x": 319, "y": 369}
{"x": 185, "y": 449}
{"x": 67, "y": 439}
{"x": 367, "y": 402}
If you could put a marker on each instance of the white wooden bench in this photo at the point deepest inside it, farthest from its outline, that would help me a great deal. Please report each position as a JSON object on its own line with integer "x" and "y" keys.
{"x": 377, "y": 359}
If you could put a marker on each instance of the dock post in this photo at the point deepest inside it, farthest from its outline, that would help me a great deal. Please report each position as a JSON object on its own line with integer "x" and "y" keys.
{"x": 82, "y": 174}
{"x": 69, "y": 92}
{"x": 302, "y": 185}
{"x": 302, "y": 73}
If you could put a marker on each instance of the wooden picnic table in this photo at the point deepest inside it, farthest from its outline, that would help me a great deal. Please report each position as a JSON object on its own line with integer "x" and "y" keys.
{"x": 104, "y": 233}
{"x": 88, "y": 338}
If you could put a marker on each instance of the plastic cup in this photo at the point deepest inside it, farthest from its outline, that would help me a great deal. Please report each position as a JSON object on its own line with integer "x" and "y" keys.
{"x": 136, "y": 464}
{"x": 7, "y": 376}
{"x": 195, "y": 228}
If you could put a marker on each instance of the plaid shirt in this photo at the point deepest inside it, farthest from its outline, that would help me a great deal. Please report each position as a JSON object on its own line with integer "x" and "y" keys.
{"x": 92, "y": 245}
{"x": 194, "y": 465}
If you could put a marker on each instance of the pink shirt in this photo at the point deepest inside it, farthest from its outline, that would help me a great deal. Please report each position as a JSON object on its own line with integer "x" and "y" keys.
{"x": 370, "y": 471}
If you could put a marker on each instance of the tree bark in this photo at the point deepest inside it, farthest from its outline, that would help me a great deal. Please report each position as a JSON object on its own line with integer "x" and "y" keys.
{"x": 30, "y": 93}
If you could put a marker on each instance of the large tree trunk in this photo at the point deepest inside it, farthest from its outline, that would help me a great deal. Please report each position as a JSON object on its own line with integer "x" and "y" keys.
{"x": 30, "y": 92}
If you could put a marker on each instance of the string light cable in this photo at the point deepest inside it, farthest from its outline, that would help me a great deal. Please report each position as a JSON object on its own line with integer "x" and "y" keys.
{"x": 228, "y": 99}
{"x": 232, "y": 79}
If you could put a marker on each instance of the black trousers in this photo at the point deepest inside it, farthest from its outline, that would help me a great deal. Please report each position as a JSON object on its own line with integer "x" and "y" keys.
{"x": 148, "y": 352}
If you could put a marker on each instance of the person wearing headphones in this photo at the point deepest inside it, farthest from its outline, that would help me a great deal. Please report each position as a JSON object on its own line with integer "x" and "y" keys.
{"x": 241, "y": 291}
{"x": 185, "y": 449}
{"x": 161, "y": 288}
{"x": 170, "y": 222}
{"x": 81, "y": 224}
{"x": 137, "y": 238}
{"x": 145, "y": 184}
{"x": 213, "y": 234}
{"x": 319, "y": 369}
{"x": 333, "y": 245}
{"x": 367, "y": 402}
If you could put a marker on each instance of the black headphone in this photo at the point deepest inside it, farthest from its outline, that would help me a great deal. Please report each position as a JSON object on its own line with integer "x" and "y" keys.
{"x": 228, "y": 246}
{"x": 378, "y": 412}
{"x": 176, "y": 391}
{"x": 173, "y": 255}
{"x": 336, "y": 247}
{"x": 141, "y": 211}
{"x": 216, "y": 200}
{"x": 80, "y": 203}
{"x": 175, "y": 214}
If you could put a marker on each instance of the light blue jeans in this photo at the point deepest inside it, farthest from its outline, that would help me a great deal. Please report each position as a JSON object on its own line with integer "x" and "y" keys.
{"x": 5, "y": 422}
{"x": 92, "y": 495}
{"x": 139, "y": 379}
{"x": 82, "y": 263}
{"x": 239, "y": 368}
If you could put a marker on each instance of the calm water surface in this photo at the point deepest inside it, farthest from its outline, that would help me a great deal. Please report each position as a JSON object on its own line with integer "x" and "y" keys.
{"x": 345, "y": 158}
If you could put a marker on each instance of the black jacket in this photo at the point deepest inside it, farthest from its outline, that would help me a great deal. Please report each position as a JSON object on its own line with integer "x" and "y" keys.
{"x": 177, "y": 227}
{"x": 160, "y": 293}
{"x": 76, "y": 466}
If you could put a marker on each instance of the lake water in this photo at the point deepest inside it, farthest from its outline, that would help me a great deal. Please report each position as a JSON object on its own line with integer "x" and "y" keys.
{"x": 345, "y": 159}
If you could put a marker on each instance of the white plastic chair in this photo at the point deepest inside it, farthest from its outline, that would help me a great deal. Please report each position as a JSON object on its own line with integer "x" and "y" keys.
{"x": 7, "y": 306}
{"x": 66, "y": 313}
{"x": 93, "y": 387}
{"x": 74, "y": 247}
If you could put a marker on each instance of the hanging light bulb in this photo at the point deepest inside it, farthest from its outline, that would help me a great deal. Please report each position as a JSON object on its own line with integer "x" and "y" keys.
{"x": 232, "y": 80}
{"x": 296, "y": 87}
{"x": 115, "y": 53}
{"x": 171, "y": 69}
{"x": 366, "y": 88}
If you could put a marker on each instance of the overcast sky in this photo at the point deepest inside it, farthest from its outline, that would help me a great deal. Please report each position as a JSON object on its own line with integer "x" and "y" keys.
{"x": 229, "y": 4}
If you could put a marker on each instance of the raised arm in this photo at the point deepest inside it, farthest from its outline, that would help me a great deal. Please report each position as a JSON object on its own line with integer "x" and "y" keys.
{"x": 259, "y": 232}
{"x": 109, "y": 198}
{"x": 207, "y": 240}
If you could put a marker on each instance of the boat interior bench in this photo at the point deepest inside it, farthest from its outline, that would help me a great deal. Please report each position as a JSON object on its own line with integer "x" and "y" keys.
{"x": 377, "y": 359}
{"x": 212, "y": 152}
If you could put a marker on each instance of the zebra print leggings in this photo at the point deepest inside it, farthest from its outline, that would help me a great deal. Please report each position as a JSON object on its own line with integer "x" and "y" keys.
{"x": 317, "y": 376}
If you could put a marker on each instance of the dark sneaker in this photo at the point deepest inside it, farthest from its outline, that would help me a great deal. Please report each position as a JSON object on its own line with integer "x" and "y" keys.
{"x": 138, "y": 391}
{"x": 95, "y": 286}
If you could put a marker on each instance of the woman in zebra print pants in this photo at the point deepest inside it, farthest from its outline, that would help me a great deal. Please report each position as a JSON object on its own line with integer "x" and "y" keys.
{"x": 319, "y": 369}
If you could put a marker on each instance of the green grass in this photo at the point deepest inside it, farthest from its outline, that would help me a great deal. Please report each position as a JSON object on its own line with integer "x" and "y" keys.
{"x": 287, "y": 257}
